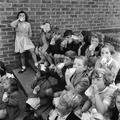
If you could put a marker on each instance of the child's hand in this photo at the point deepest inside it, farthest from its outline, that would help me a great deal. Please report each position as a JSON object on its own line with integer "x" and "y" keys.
{"x": 36, "y": 89}
{"x": 5, "y": 97}
{"x": 95, "y": 89}
{"x": 69, "y": 87}
{"x": 52, "y": 66}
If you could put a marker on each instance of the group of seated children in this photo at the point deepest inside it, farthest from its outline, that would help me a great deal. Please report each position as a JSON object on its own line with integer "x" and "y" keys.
{"x": 77, "y": 74}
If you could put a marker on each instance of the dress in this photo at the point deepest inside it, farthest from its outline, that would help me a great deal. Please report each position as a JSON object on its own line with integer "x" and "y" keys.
{"x": 23, "y": 34}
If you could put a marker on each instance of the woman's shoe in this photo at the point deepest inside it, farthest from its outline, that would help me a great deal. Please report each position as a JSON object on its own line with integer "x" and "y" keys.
{"x": 22, "y": 70}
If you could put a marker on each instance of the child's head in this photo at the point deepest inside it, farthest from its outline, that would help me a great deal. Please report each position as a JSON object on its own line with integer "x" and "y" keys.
{"x": 22, "y": 15}
{"x": 101, "y": 78}
{"x": 80, "y": 63}
{"x": 94, "y": 40}
{"x": 68, "y": 101}
{"x": 107, "y": 50}
{"x": 69, "y": 56}
{"x": 10, "y": 84}
{"x": 68, "y": 33}
{"x": 46, "y": 27}
{"x": 116, "y": 99}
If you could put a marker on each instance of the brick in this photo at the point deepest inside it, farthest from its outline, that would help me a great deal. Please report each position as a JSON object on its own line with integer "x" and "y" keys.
{"x": 67, "y": 14}
{"x": 17, "y": 5}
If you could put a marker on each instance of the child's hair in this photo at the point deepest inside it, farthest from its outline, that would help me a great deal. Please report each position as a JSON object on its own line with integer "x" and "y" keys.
{"x": 13, "y": 85}
{"x": 107, "y": 77}
{"x": 110, "y": 47}
{"x": 98, "y": 35}
{"x": 56, "y": 29}
{"x": 85, "y": 60}
{"x": 2, "y": 69}
{"x": 71, "y": 54}
{"x": 26, "y": 16}
{"x": 115, "y": 94}
{"x": 67, "y": 33}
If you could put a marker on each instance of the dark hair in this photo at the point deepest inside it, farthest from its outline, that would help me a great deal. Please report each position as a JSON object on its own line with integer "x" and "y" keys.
{"x": 13, "y": 85}
{"x": 67, "y": 33}
{"x": 26, "y": 16}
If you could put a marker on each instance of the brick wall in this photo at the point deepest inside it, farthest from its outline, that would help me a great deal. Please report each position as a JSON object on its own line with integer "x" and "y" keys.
{"x": 67, "y": 14}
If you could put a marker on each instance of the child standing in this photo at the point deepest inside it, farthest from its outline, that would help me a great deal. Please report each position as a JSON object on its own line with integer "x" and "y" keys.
{"x": 106, "y": 61}
{"x": 22, "y": 40}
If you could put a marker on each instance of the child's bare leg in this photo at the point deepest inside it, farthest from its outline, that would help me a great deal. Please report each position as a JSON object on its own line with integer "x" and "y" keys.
{"x": 22, "y": 58}
{"x": 34, "y": 57}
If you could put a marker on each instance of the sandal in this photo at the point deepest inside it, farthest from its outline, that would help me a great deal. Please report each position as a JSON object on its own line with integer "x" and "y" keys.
{"x": 22, "y": 70}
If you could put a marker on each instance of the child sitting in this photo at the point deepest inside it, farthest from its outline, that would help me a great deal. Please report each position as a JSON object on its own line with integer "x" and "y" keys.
{"x": 93, "y": 50}
{"x": 11, "y": 98}
{"x": 99, "y": 96}
{"x": 71, "y": 41}
{"x": 77, "y": 82}
{"x": 106, "y": 61}
{"x": 115, "y": 105}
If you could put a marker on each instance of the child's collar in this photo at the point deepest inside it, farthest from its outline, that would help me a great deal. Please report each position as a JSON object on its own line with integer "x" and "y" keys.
{"x": 104, "y": 90}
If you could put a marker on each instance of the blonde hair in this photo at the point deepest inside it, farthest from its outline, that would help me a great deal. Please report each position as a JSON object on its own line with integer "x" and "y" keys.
{"x": 110, "y": 47}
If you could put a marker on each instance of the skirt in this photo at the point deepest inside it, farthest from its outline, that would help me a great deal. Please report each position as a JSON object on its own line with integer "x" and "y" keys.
{"x": 22, "y": 44}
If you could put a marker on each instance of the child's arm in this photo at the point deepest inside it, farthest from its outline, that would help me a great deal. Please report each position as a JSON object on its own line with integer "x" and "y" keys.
{"x": 13, "y": 99}
{"x": 86, "y": 106}
{"x": 100, "y": 106}
{"x": 14, "y": 23}
{"x": 82, "y": 85}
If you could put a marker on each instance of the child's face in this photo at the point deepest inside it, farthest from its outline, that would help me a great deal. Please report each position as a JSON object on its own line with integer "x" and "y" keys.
{"x": 105, "y": 52}
{"x": 22, "y": 17}
{"x": 78, "y": 64}
{"x": 99, "y": 82}
{"x": 6, "y": 84}
{"x": 67, "y": 60}
{"x": 94, "y": 41}
{"x": 118, "y": 102}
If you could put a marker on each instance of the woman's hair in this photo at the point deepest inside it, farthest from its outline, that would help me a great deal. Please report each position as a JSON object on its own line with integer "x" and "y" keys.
{"x": 107, "y": 77}
{"x": 26, "y": 16}
{"x": 110, "y": 47}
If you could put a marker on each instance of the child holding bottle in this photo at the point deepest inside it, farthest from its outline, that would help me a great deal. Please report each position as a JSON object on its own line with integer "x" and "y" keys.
{"x": 23, "y": 38}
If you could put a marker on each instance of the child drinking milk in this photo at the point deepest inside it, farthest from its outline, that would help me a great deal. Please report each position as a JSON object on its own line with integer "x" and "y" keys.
{"x": 106, "y": 61}
{"x": 22, "y": 39}
{"x": 99, "y": 96}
